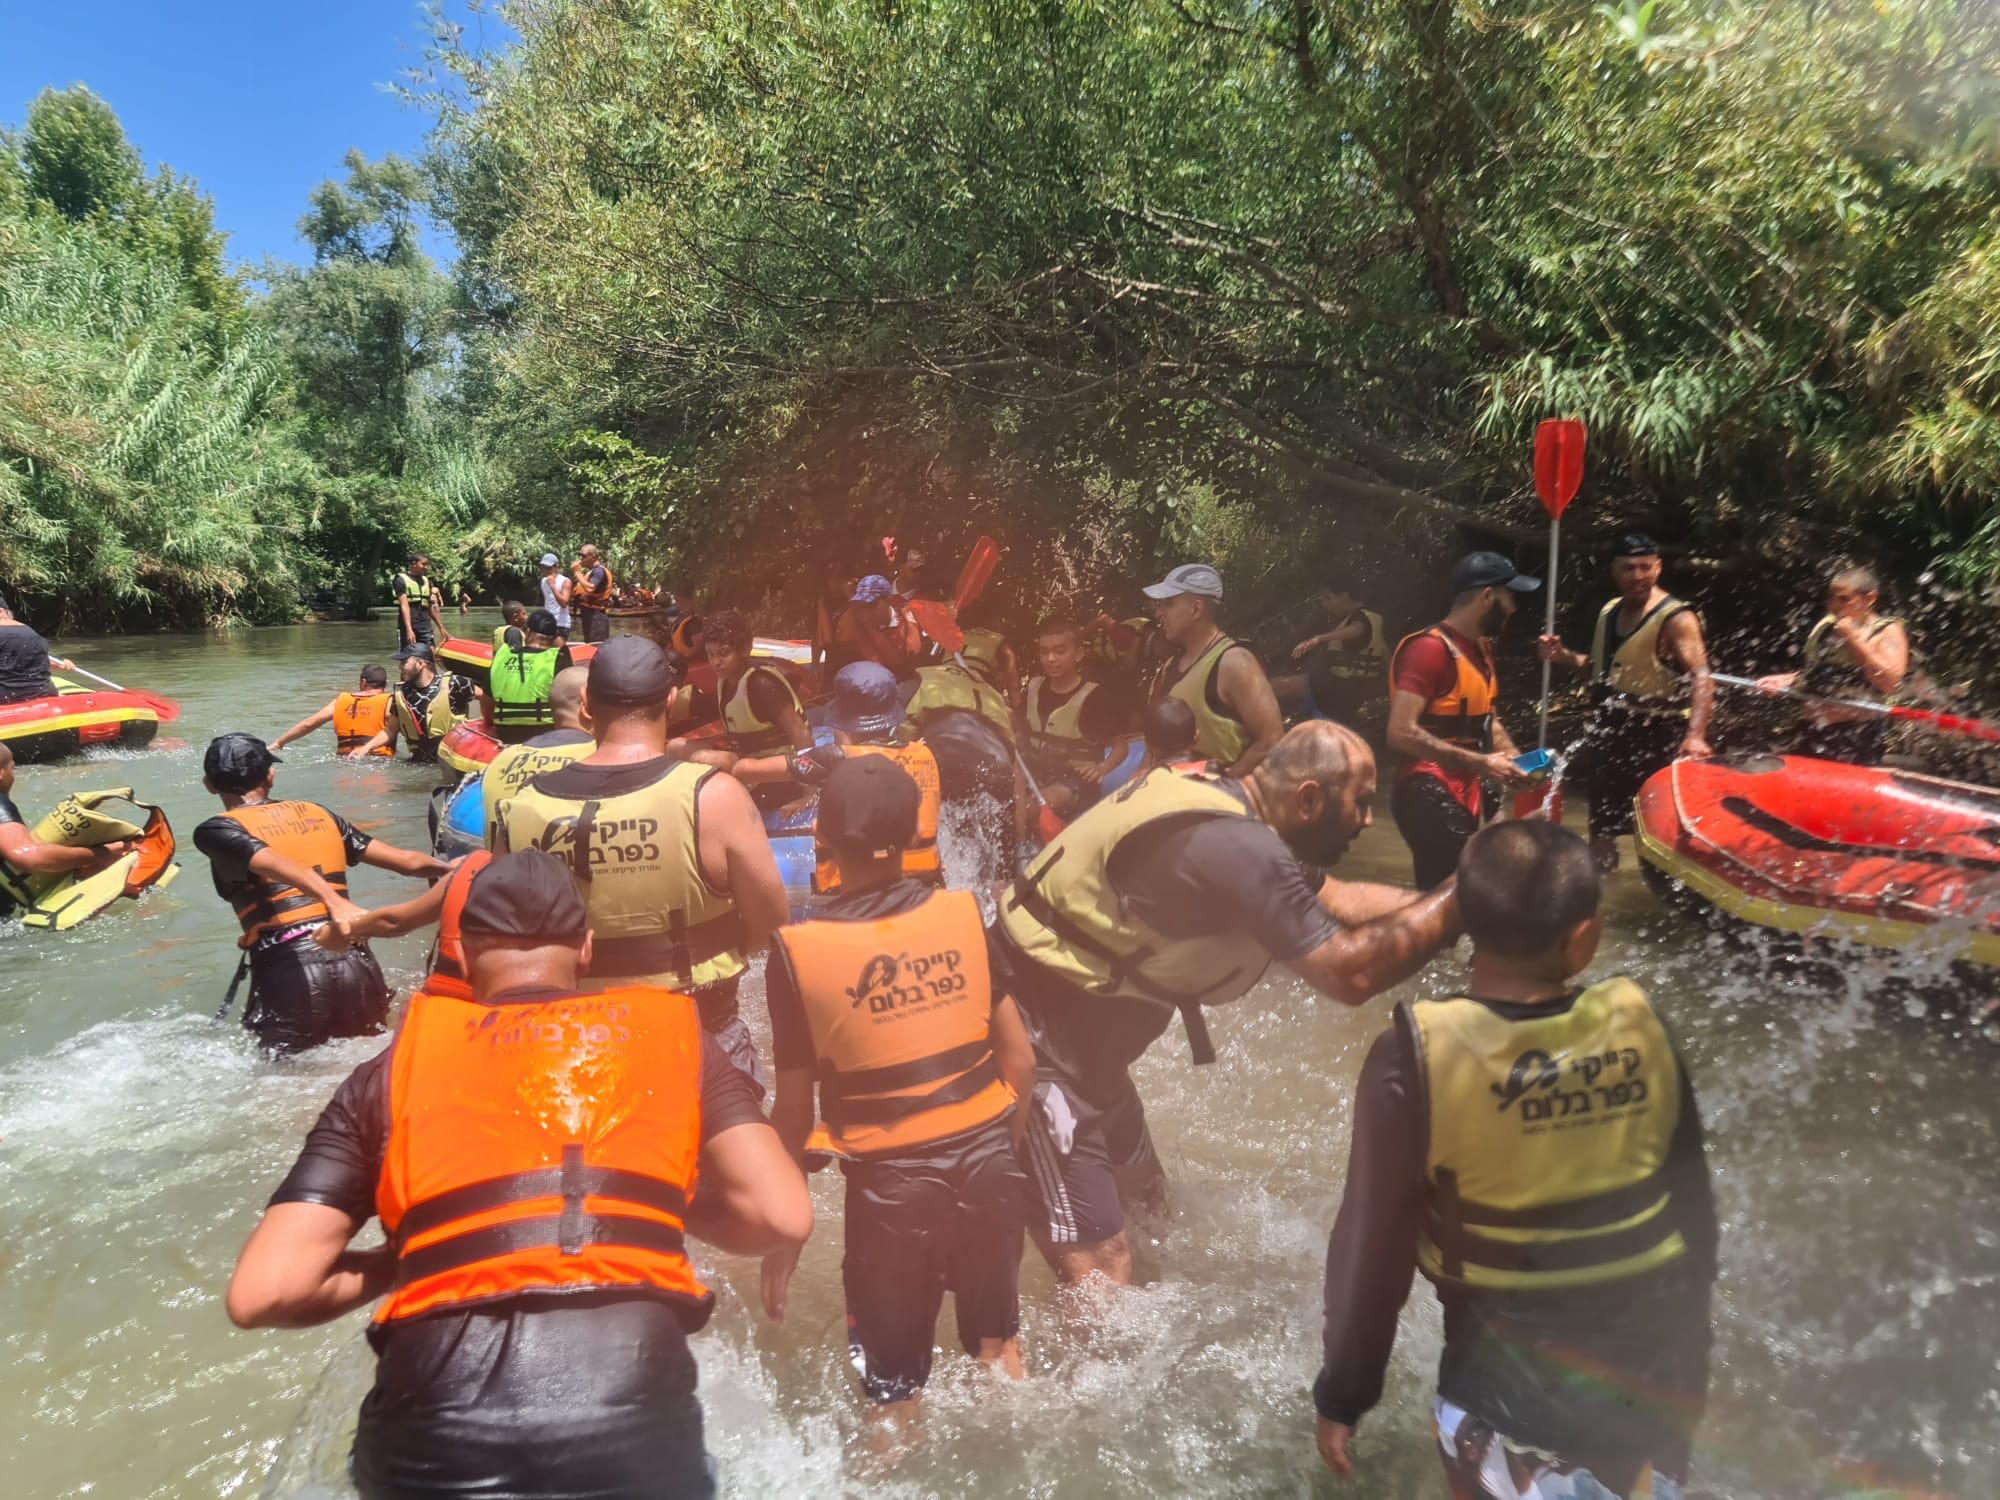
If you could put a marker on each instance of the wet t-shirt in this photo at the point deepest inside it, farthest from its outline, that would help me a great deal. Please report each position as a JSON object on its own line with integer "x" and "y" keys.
{"x": 9, "y": 813}
{"x": 230, "y": 847}
{"x": 463, "y": 1401}
{"x": 24, "y": 664}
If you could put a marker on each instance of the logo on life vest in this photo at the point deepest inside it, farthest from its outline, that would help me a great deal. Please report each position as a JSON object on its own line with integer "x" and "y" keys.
{"x": 1535, "y": 1072}
{"x": 925, "y": 978}
{"x": 1533, "y": 1069}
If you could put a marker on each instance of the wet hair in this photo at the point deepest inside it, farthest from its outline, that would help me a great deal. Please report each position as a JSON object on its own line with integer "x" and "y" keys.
{"x": 1860, "y": 578}
{"x": 1059, "y": 625}
{"x": 1522, "y": 885}
{"x": 1170, "y": 729}
{"x": 513, "y": 610}
{"x": 375, "y": 674}
{"x": 730, "y": 627}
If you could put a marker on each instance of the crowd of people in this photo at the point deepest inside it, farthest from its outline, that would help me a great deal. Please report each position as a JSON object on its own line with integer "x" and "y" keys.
{"x": 572, "y": 1093}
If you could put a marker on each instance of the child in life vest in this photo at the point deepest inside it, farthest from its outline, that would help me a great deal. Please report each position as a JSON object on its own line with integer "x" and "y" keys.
{"x": 1532, "y": 1146}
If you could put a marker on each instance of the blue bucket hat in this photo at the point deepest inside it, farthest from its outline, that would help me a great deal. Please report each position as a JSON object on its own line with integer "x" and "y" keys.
{"x": 871, "y": 589}
{"x": 865, "y": 699}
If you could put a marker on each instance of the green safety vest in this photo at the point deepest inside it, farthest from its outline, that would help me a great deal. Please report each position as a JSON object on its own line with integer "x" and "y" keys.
{"x": 519, "y": 686}
{"x": 418, "y": 590}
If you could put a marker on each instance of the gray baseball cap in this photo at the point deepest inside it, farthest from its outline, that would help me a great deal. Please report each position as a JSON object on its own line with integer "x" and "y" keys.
{"x": 550, "y": 560}
{"x": 1198, "y": 579}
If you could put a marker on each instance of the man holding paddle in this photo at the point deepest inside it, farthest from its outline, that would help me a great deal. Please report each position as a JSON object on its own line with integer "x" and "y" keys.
{"x": 1650, "y": 682}
{"x": 25, "y": 661}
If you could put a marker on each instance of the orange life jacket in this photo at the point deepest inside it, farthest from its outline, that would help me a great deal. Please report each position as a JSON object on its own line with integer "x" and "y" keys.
{"x": 586, "y": 597}
{"x": 1463, "y": 715}
{"x": 358, "y": 718}
{"x": 548, "y": 1145}
{"x": 301, "y": 831}
{"x": 901, "y": 1012}
{"x": 450, "y": 973}
{"x": 920, "y": 860}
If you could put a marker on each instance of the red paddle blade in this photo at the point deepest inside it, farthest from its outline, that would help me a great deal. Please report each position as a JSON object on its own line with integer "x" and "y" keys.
{"x": 978, "y": 568}
{"x": 936, "y": 621}
{"x": 166, "y": 708}
{"x": 1558, "y": 462}
{"x": 1539, "y": 801}
{"x": 1977, "y": 729}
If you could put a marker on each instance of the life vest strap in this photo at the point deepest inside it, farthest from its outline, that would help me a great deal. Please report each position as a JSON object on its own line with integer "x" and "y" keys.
{"x": 842, "y": 1112}
{"x": 1597, "y": 1212}
{"x": 571, "y": 1232}
{"x": 259, "y": 908}
{"x": 1459, "y": 729}
{"x": 676, "y": 951}
{"x": 1462, "y": 1247}
{"x": 904, "y": 1075}
{"x": 546, "y": 1182}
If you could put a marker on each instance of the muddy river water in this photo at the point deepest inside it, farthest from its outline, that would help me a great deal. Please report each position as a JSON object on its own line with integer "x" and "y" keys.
{"x": 1854, "y": 1149}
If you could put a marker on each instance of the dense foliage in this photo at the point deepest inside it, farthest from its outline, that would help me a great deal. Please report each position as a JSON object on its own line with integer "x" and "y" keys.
{"x": 1259, "y": 276}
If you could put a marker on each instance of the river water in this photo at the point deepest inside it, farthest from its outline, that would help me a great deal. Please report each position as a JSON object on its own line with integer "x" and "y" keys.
{"x": 1854, "y": 1149}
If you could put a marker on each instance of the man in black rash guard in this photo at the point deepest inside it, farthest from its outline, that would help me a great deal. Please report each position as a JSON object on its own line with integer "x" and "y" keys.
{"x": 535, "y": 1372}
{"x": 25, "y": 660}
{"x": 283, "y": 867}
{"x": 1172, "y": 894}
{"x": 1534, "y": 1148}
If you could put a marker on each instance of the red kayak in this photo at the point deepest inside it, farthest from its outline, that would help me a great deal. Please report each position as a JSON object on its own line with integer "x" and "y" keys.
{"x": 75, "y": 716}
{"x": 473, "y": 660}
{"x": 1875, "y": 856}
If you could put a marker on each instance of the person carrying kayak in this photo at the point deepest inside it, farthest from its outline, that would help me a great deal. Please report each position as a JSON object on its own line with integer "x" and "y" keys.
{"x": 892, "y": 1001}
{"x": 282, "y": 866}
{"x": 418, "y": 616}
{"x": 1235, "y": 712}
{"x": 1853, "y": 652}
{"x": 427, "y": 703}
{"x": 25, "y": 660}
{"x": 515, "y": 700}
{"x": 670, "y": 856}
{"x": 1343, "y": 664}
{"x": 556, "y": 591}
{"x": 1444, "y": 717}
{"x": 534, "y": 1296}
{"x": 358, "y": 718}
{"x": 590, "y": 595}
{"x": 1650, "y": 684}
{"x": 21, "y": 853}
{"x": 1575, "y": 1264}
{"x": 1176, "y": 893}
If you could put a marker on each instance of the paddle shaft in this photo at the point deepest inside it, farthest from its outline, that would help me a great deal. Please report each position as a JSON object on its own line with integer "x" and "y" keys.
{"x": 1549, "y": 588}
{"x": 95, "y": 678}
{"x": 1977, "y": 729}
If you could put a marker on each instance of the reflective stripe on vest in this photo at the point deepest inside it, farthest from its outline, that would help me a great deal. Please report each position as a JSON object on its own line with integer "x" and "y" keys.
{"x": 519, "y": 685}
{"x": 949, "y": 687}
{"x": 1464, "y": 715}
{"x": 513, "y": 1168}
{"x": 1547, "y": 1139}
{"x": 748, "y": 734}
{"x": 901, "y": 1010}
{"x": 515, "y": 766}
{"x": 1359, "y": 659}
{"x": 1218, "y": 735}
{"x": 1634, "y": 673}
{"x": 1065, "y": 916}
{"x": 920, "y": 860}
{"x": 637, "y": 862}
{"x": 1058, "y": 733}
{"x": 1831, "y": 669}
{"x": 303, "y": 832}
{"x": 358, "y": 718}
{"x": 450, "y": 973}
{"x": 583, "y": 596}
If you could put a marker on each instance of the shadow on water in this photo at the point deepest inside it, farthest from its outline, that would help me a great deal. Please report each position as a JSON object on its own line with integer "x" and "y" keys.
{"x": 1853, "y": 1145}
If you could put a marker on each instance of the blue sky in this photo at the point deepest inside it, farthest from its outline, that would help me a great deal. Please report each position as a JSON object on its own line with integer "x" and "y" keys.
{"x": 257, "y": 102}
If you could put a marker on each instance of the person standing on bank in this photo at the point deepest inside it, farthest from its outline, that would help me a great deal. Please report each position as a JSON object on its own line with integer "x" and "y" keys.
{"x": 1444, "y": 717}
{"x": 671, "y": 856}
{"x": 521, "y": 1350}
{"x": 1575, "y": 1265}
{"x": 923, "y": 1072}
{"x": 25, "y": 660}
{"x": 418, "y": 617}
{"x": 556, "y": 589}
{"x": 1650, "y": 683}
{"x": 591, "y": 595}
{"x": 1174, "y": 893}
{"x": 1853, "y": 652}
{"x": 1236, "y": 714}
{"x": 358, "y": 718}
{"x": 283, "y": 867}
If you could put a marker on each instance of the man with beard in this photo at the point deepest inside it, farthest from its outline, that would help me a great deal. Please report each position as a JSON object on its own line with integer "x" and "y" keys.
{"x": 427, "y": 704}
{"x": 1442, "y": 716}
{"x": 1174, "y": 893}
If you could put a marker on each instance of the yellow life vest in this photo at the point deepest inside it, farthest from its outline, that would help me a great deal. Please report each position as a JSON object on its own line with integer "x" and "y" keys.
{"x": 920, "y": 860}
{"x": 1064, "y": 915}
{"x": 500, "y": 635}
{"x": 1057, "y": 733}
{"x": 748, "y": 734}
{"x": 418, "y": 591}
{"x": 901, "y": 1012}
{"x": 1831, "y": 668}
{"x": 1634, "y": 673}
{"x": 517, "y": 765}
{"x": 438, "y": 717}
{"x": 941, "y": 688}
{"x": 637, "y": 863}
{"x": 1548, "y": 1136}
{"x": 1218, "y": 735}
{"x": 1363, "y": 658}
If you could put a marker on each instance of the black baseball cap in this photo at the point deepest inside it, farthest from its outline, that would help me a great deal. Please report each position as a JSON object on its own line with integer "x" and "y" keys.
{"x": 527, "y": 896}
{"x": 1636, "y": 544}
{"x": 416, "y": 651}
{"x": 630, "y": 669}
{"x": 543, "y": 623}
{"x": 237, "y": 762}
{"x": 869, "y": 803}
{"x": 375, "y": 674}
{"x": 1489, "y": 570}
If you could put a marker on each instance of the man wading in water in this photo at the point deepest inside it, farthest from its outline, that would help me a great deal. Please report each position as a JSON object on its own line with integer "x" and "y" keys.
{"x": 1174, "y": 893}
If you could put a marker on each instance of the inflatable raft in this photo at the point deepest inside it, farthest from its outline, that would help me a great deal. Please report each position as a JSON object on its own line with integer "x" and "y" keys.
{"x": 1878, "y": 857}
{"x": 75, "y": 716}
{"x": 473, "y": 660}
{"x": 81, "y": 821}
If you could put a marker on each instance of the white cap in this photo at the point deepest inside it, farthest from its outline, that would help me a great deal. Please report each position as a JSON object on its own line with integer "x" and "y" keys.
{"x": 549, "y": 559}
{"x": 1198, "y": 579}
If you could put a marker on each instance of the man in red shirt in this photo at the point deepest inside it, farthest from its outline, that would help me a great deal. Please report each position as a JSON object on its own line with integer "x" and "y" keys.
{"x": 1443, "y": 717}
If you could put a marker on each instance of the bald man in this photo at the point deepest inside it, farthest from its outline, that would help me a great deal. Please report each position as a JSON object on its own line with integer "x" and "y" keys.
{"x": 1175, "y": 893}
